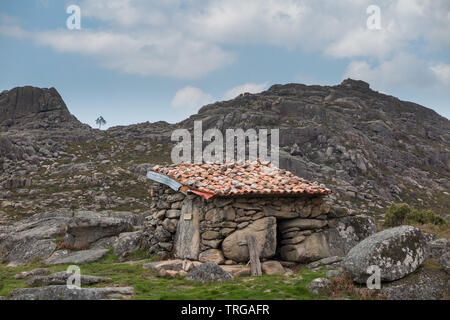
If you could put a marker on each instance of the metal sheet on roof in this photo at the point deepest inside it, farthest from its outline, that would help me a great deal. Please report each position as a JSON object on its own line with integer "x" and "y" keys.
{"x": 174, "y": 185}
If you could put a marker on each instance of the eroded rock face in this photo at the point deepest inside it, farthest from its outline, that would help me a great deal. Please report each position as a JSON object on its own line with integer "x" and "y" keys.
{"x": 265, "y": 233}
{"x": 397, "y": 252}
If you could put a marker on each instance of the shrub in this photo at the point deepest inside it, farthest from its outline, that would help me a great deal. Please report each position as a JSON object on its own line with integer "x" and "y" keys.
{"x": 396, "y": 215}
{"x": 424, "y": 217}
{"x": 399, "y": 214}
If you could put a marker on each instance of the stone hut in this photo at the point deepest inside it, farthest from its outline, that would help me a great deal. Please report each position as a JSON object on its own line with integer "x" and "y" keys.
{"x": 204, "y": 212}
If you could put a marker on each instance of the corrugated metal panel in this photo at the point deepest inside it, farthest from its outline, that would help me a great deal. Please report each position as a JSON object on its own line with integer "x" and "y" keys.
{"x": 174, "y": 185}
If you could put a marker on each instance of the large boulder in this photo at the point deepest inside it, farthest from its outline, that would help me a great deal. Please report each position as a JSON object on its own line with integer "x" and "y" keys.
{"x": 265, "y": 232}
{"x": 62, "y": 292}
{"x": 209, "y": 272}
{"x": 397, "y": 252}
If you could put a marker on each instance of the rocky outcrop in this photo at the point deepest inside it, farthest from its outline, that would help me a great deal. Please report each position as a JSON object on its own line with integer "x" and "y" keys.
{"x": 84, "y": 230}
{"x": 39, "y": 236}
{"x": 209, "y": 272}
{"x": 31, "y": 106}
{"x": 397, "y": 252}
{"x": 424, "y": 284}
{"x": 62, "y": 292}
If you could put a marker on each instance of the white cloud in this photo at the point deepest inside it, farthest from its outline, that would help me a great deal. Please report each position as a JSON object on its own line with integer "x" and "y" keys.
{"x": 442, "y": 72}
{"x": 403, "y": 70}
{"x": 248, "y": 87}
{"x": 168, "y": 54}
{"x": 190, "y": 99}
{"x": 189, "y": 39}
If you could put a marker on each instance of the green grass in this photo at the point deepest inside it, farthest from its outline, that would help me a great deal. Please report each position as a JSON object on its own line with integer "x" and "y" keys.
{"x": 150, "y": 287}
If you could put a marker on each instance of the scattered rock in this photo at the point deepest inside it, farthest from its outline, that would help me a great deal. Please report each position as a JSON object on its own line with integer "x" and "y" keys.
{"x": 334, "y": 273}
{"x": 62, "y": 292}
{"x": 212, "y": 255}
{"x": 175, "y": 265}
{"x": 438, "y": 247}
{"x": 32, "y": 273}
{"x": 60, "y": 278}
{"x": 324, "y": 261}
{"x": 237, "y": 270}
{"x": 272, "y": 267}
{"x": 209, "y": 272}
{"x": 67, "y": 256}
{"x": 319, "y": 286}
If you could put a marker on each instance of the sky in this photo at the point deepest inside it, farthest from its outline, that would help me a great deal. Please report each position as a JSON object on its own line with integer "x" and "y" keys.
{"x": 132, "y": 61}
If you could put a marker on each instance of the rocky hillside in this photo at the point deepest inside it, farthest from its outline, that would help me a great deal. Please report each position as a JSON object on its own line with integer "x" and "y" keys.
{"x": 370, "y": 148}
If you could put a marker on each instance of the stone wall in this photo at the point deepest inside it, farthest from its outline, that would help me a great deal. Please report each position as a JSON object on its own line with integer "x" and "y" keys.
{"x": 288, "y": 228}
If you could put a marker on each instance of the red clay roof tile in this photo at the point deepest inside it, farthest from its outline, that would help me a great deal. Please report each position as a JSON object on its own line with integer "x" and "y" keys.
{"x": 234, "y": 179}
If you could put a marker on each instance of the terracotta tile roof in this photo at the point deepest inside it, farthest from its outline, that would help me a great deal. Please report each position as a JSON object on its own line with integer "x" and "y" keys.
{"x": 250, "y": 178}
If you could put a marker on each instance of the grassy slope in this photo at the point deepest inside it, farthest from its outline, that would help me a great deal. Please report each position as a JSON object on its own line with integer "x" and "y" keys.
{"x": 148, "y": 286}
